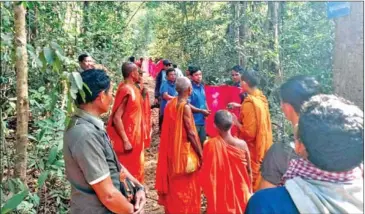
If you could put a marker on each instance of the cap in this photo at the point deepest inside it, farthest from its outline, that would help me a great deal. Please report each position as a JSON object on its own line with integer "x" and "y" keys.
{"x": 166, "y": 62}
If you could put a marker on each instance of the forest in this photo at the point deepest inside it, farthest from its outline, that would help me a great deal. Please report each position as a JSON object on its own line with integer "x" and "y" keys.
{"x": 40, "y": 43}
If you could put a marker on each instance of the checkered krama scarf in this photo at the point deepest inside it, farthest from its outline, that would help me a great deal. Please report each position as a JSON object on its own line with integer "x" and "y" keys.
{"x": 305, "y": 169}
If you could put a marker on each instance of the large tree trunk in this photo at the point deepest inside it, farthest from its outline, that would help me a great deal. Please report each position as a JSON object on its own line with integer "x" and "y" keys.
{"x": 236, "y": 29}
{"x": 243, "y": 32}
{"x": 22, "y": 105}
{"x": 86, "y": 20}
{"x": 348, "y": 59}
{"x": 273, "y": 27}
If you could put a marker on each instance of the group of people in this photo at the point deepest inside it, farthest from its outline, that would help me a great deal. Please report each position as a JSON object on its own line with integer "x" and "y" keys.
{"x": 321, "y": 171}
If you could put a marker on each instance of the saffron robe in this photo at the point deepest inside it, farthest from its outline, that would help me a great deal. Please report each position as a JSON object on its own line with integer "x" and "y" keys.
{"x": 178, "y": 193}
{"x": 224, "y": 177}
{"x": 133, "y": 125}
{"x": 256, "y": 131}
{"x": 147, "y": 124}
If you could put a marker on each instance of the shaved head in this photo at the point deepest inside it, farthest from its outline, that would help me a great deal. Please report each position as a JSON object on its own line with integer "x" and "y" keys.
{"x": 128, "y": 68}
{"x": 223, "y": 120}
{"x": 182, "y": 84}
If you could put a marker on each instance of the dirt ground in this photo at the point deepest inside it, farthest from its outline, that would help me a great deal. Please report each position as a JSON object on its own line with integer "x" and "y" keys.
{"x": 151, "y": 155}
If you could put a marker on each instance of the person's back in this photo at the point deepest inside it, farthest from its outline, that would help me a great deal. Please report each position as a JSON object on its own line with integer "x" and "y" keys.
{"x": 179, "y": 156}
{"x": 330, "y": 144}
{"x": 226, "y": 164}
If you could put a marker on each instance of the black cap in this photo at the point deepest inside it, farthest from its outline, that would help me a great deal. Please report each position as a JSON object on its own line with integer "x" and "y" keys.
{"x": 166, "y": 62}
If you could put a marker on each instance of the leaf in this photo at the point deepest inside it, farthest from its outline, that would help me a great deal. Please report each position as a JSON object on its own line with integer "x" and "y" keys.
{"x": 36, "y": 199}
{"x": 30, "y": 49}
{"x": 41, "y": 134}
{"x": 52, "y": 155}
{"x": 43, "y": 60}
{"x": 54, "y": 97}
{"x": 11, "y": 186}
{"x": 25, "y": 207}
{"x": 60, "y": 163}
{"x": 82, "y": 93}
{"x": 57, "y": 65}
{"x": 13, "y": 202}
{"x": 41, "y": 164}
{"x": 12, "y": 105}
{"x": 56, "y": 47}
{"x": 48, "y": 55}
{"x": 42, "y": 178}
{"x": 41, "y": 89}
{"x": 31, "y": 137}
{"x": 78, "y": 79}
{"x": 87, "y": 88}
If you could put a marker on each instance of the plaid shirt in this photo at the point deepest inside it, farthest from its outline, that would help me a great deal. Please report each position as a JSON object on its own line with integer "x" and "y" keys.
{"x": 305, "y": 169}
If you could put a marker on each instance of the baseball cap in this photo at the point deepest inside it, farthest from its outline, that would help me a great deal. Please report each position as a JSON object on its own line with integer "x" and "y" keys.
{"x": 166, "y": 62}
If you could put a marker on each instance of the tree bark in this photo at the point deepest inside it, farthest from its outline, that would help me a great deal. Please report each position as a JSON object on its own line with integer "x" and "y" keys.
{"x": 273, "y": 27}
{"x": 86, "y": 20}
{"x": 236, "y": 29}
{"x": 348, "y": 55}
{"x": 243, "y": 33}
{"x": 22, "y": 105}
{"x": 32, "y": 21}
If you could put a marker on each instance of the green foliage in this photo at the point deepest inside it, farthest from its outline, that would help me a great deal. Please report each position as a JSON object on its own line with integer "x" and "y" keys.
{"x": 13, "y": 202}
{"x": 201, "y": 33}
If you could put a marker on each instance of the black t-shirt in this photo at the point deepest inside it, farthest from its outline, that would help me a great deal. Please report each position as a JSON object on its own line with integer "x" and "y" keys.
{"x": 276, "y": 162}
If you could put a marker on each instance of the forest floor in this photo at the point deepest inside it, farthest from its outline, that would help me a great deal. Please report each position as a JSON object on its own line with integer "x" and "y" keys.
{"x": 151, "y": 155}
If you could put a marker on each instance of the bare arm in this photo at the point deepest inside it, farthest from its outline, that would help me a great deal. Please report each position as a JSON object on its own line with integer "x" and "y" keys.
{"x": 189, "y": 129}
{"x": 195, "y": 109}
{"x": 247, "y": 124}
{"x": 166, "y": 96}
{"x": 140, "y": 195}
{"x": 117, "y": 120}
{"x": 111, "y": 198}
{"x": 243, "y": 145}
{"x": 130, "y": 177}
{"x": 198, "y": 110}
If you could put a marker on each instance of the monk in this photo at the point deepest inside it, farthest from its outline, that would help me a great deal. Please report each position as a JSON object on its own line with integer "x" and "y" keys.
{"x": 147, "y": 125}
{"x": 254, "y": 124}
{"x": 180, "y": 155}
{"x": 226, "y": 165}
{"x": 125, "y": 125}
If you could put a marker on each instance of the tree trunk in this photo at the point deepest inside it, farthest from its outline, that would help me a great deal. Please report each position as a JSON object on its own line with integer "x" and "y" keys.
{"x": 348, "y": 58}
{"x": 86, "y": 20}
{"x": 273, "y": 27}
{"x": 32, "y": 21}
{"x": 243, "y": 32}
{"x": 22, "y": 105}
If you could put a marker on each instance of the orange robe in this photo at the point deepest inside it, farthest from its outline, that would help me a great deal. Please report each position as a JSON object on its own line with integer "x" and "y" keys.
{"x": 256, "y": 131}
{"x": 178, "y": 192}
{"x": 224, "y": 177}
{"x": 147, "y": 124}
{"x": 133, "y": 125}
